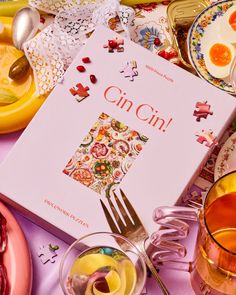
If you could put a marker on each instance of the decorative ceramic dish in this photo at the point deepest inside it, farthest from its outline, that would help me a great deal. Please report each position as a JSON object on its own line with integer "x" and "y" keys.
{"x": 204, "y": 30}
{"x": 24, "y": 101}
{"x": 17, "y": 257}
{"x": 180, "y": 15}
{"x": 226, "y": 160}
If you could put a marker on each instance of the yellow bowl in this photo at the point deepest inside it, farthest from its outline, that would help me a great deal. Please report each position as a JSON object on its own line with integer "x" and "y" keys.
{"x": 17, "y": 115}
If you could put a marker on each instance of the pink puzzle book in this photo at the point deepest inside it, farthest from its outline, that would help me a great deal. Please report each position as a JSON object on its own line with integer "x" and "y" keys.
{"x": 121, "y": 118}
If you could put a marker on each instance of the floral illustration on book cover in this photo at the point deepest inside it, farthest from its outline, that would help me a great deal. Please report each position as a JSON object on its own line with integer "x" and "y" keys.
{"x": 105, "y": 155}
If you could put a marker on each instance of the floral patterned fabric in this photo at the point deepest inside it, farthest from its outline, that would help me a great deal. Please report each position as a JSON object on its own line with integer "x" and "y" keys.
{"x": 150, "y": 29}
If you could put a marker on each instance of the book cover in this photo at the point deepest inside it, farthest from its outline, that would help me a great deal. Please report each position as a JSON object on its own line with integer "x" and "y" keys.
{"x": 121, "y": 118}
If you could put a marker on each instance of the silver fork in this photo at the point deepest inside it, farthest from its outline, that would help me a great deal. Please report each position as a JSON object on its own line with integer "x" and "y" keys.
{"x": 131, "y": 228}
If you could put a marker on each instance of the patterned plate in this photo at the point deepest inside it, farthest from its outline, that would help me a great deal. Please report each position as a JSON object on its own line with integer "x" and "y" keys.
{"x": 226, "y": 160}
{"x": 204, "y": 25}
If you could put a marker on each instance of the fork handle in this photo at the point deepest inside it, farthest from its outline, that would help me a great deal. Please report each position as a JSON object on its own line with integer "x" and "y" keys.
{"x": 155, "y": 273}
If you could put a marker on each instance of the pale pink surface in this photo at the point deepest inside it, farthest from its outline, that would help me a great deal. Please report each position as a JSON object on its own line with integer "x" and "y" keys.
{"x": 45, "y": 277}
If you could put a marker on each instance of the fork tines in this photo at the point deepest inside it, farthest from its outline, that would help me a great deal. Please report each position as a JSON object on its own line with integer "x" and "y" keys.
{"x": 127, "y": 221}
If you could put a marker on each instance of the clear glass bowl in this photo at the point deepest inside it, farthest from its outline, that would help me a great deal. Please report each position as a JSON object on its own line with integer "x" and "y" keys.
{"x": 96, "y": 262}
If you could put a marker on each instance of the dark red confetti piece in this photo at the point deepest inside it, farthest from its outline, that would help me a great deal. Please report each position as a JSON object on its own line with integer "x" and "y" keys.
{"x": 81, "y": 69}
{"x": 42, "y": 20}
{"x": 113, "y": 44}
{"x": 86, "y": 60}
{"x": 157, "y": 42}
{"x": 93, "y": 79}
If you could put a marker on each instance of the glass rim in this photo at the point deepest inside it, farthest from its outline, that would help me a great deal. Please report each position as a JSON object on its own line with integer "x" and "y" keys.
{"x": 139, "y": 254}
{"x": 205, "y": 222}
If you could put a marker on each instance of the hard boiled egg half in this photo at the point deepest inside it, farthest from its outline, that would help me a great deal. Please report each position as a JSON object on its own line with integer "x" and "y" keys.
{"x": 228, "y": 25}
{"x": 218, "y": 58}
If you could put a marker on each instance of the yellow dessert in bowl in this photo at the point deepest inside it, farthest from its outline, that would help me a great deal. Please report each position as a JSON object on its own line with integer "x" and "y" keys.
{"x": 102, "y": 270}
{"x": 95, "y": 264}
{"x": 18, "y": 99}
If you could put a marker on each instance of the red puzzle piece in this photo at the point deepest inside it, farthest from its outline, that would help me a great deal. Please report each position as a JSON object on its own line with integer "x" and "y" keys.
{"x": 80, "y": 93}
{"x": 202, "y": 111}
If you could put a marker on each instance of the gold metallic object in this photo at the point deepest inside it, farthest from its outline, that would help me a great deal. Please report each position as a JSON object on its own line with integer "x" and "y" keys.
{"x": 180, "y": 15}
{"x": 132, "y": 229}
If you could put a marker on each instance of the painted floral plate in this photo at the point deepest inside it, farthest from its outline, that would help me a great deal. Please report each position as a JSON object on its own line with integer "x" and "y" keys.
{"x": 204, "y": 29}
{"x": 226, "y": 160}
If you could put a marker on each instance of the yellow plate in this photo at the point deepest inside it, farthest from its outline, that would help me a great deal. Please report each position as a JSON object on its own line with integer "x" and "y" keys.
{"x": 17, "y": 115}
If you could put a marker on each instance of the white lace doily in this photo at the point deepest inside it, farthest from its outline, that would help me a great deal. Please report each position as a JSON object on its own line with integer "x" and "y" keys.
{"x": 52, "y": 50}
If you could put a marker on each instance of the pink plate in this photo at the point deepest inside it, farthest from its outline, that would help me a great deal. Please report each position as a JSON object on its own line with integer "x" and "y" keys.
{"x": 17, "y": 257}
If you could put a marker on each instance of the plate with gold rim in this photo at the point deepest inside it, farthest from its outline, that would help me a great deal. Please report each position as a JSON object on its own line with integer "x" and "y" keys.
{"x": 205, "y": 25}
{"x": 226, "y": 160}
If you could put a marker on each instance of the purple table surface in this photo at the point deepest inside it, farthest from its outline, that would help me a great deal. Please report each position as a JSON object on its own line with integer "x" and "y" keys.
{"x": 46, "y": 276}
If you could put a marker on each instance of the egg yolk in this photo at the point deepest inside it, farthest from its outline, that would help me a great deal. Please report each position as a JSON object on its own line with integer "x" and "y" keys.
{"x": 220, "y": 55}
{"x": 232, "y": 20}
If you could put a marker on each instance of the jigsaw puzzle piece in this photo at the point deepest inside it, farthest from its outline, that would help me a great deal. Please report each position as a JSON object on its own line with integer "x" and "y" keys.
{"x": 130, "y": 70}
{"x": 207, "y": 137}
{"x": 115, "y": 44}
{"x": 80, "y": 91}
{"x": 202, "y": 110}
{"x": 46, "y": 253}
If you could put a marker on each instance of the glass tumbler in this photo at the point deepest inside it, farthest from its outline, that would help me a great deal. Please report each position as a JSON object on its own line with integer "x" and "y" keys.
{"x": 213, "y": 270}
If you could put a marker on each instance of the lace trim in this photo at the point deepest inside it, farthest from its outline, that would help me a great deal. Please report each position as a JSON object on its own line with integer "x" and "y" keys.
{"x": 51, "y": 52}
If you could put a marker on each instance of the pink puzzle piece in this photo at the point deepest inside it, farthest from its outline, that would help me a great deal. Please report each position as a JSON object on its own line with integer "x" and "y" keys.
{"x": 208, "y": 137}
{"x": 115, "y": 44}
{"x": 80, "y": 93}
{"x": 46, "y": 253}
{"x": 130, "y": 70}
{"x": 202, "y": 110}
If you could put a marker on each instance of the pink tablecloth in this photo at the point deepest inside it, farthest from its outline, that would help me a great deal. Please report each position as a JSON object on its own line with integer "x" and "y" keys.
{"x": 45, "y": 276}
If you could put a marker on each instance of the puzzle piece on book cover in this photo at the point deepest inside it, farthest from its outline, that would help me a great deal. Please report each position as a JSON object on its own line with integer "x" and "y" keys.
{"x": 80, "y": 92}
{"x": 115, "y": 44}
{"x": 202, "y": 110}
{"x": 130, "y": 70}
{"x": 207, "y": 137}
{"x": 47, "y": 253}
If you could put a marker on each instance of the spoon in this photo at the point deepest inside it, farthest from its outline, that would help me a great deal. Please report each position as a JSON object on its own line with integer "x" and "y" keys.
{"x": 24, "y": 27}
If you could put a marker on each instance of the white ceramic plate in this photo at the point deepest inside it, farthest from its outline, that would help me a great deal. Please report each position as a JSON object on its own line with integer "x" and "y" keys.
{"x": 204, "y": 29}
